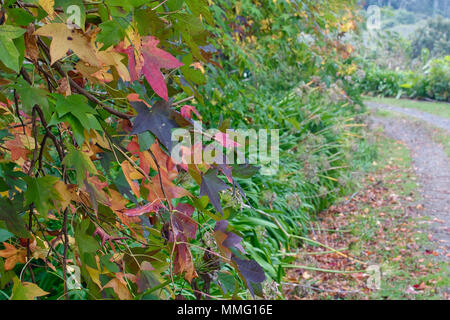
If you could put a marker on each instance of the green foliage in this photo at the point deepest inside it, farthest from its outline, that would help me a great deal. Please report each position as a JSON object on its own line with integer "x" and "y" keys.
{"x": 432, "y": 82}
{"x": 302, "y": 86}
{"x": 382, "y": 82}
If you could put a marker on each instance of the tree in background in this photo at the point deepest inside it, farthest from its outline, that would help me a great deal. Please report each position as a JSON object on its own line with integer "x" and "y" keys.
{"x": 434, "y": 37}
{"x": 427, "y": 7}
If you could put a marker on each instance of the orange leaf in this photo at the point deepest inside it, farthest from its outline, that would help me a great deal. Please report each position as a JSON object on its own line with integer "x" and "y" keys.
{"x": 131, "y": 174}
{"x": 13, "y": 256}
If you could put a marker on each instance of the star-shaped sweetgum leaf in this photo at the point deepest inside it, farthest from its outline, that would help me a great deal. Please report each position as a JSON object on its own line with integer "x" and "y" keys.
{"x": 156, "y": 120}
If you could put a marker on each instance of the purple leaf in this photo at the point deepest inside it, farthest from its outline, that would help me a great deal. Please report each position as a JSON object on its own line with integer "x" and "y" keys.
{"x": 156, "y": 120}
{"x": 211, "y": 186}
{"x": 251, "y": 271}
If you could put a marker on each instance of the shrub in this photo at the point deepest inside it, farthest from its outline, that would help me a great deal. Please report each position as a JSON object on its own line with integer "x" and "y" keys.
{"x": 432, "y": 82}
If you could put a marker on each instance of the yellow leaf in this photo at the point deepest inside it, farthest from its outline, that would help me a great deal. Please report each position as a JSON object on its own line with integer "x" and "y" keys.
{"x": 120, "y": 289}
{"x": 111, "y": 58}
{"x": 64, "y": 192}
{"x": 64, "y": 39}
{"x": 33, "y": 291}
{"x": 95, "y": 275}
{"x": 48, "y": 5}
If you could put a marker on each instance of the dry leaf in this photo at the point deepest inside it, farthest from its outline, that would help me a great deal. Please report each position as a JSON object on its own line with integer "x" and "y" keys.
{"x": 31, "y": 48}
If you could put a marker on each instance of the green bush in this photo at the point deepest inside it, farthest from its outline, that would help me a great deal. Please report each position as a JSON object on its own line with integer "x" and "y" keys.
{"x": 383, "y": 82}
{"x": 438, "y": 79}
{"x": 432, "y": 82}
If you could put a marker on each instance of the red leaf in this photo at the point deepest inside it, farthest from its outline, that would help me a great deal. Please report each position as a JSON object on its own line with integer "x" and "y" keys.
{"x": 17, "y": 148}
{"x": 153, "y": 60}
{"x": 184, "y": 262}
{"x": 224, "y": 139}
{"x": 139, "y": 211}
{"x": 184, "y": 226}
{"x": 186, "y": 111}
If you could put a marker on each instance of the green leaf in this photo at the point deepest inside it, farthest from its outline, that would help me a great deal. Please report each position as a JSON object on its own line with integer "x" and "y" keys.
{"x": 19, "y": 16}
{"x": 120, "y": 8}
{"x": 111, "y": 34}
{"x": 85, "y": 241}
{"x": 31, "y": 96}
{"x": 201, "y": 8}
{"x": 9, "y": 54}
{"x": 190, "y": 74}
{"x": 81, "y": 162}
{"x": 227, "y": 282}
{"x": 148, "y": 22}
{"x": 174, "y": 5}
{"x": 5, "y": 235}
{"x": 75, "y": 110}
{"x": 146, "y": 140}
{"x": 14, "y": 223}
{"x": 188, "y": 23}
{"x": 41, "y": 193}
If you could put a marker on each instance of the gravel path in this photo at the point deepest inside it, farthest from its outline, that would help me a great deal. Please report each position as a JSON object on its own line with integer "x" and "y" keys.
{"x": 432, "y": 119}
{"x": 431, "y": 164}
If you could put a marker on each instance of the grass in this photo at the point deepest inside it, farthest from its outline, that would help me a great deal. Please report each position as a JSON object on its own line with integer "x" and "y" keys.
{"x": 436, "y": 108}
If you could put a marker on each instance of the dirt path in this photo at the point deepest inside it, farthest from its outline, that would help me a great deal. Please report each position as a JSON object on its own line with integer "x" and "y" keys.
{"x": 431, "y": 164}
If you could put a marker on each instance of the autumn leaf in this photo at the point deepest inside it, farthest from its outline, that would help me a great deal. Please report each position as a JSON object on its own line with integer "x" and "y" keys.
{"x": 184, "y": 262}
{"x": 65, "y": 39}
{"x": 150, "y": 60}
{"x": 226, "y": 239}
{"x": 31, "y": 48}
{"x": 156, "y": 120}
{"x": 131, "y": 174}
{"x": 186, "y": 111}
{"x": 119, "y": 288}
{"x": 26, "y": 290}
{"x": 114, "y": 59}
{"x": 149, "y": 207}
{"x": 17, "y": 148}
{"x": 184, "y": 227}
{"x": 251, "y": 272}
{"x": 171, "y": 190}
{"x": 12, "y": 256}
{"x": 48, "y": 5}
